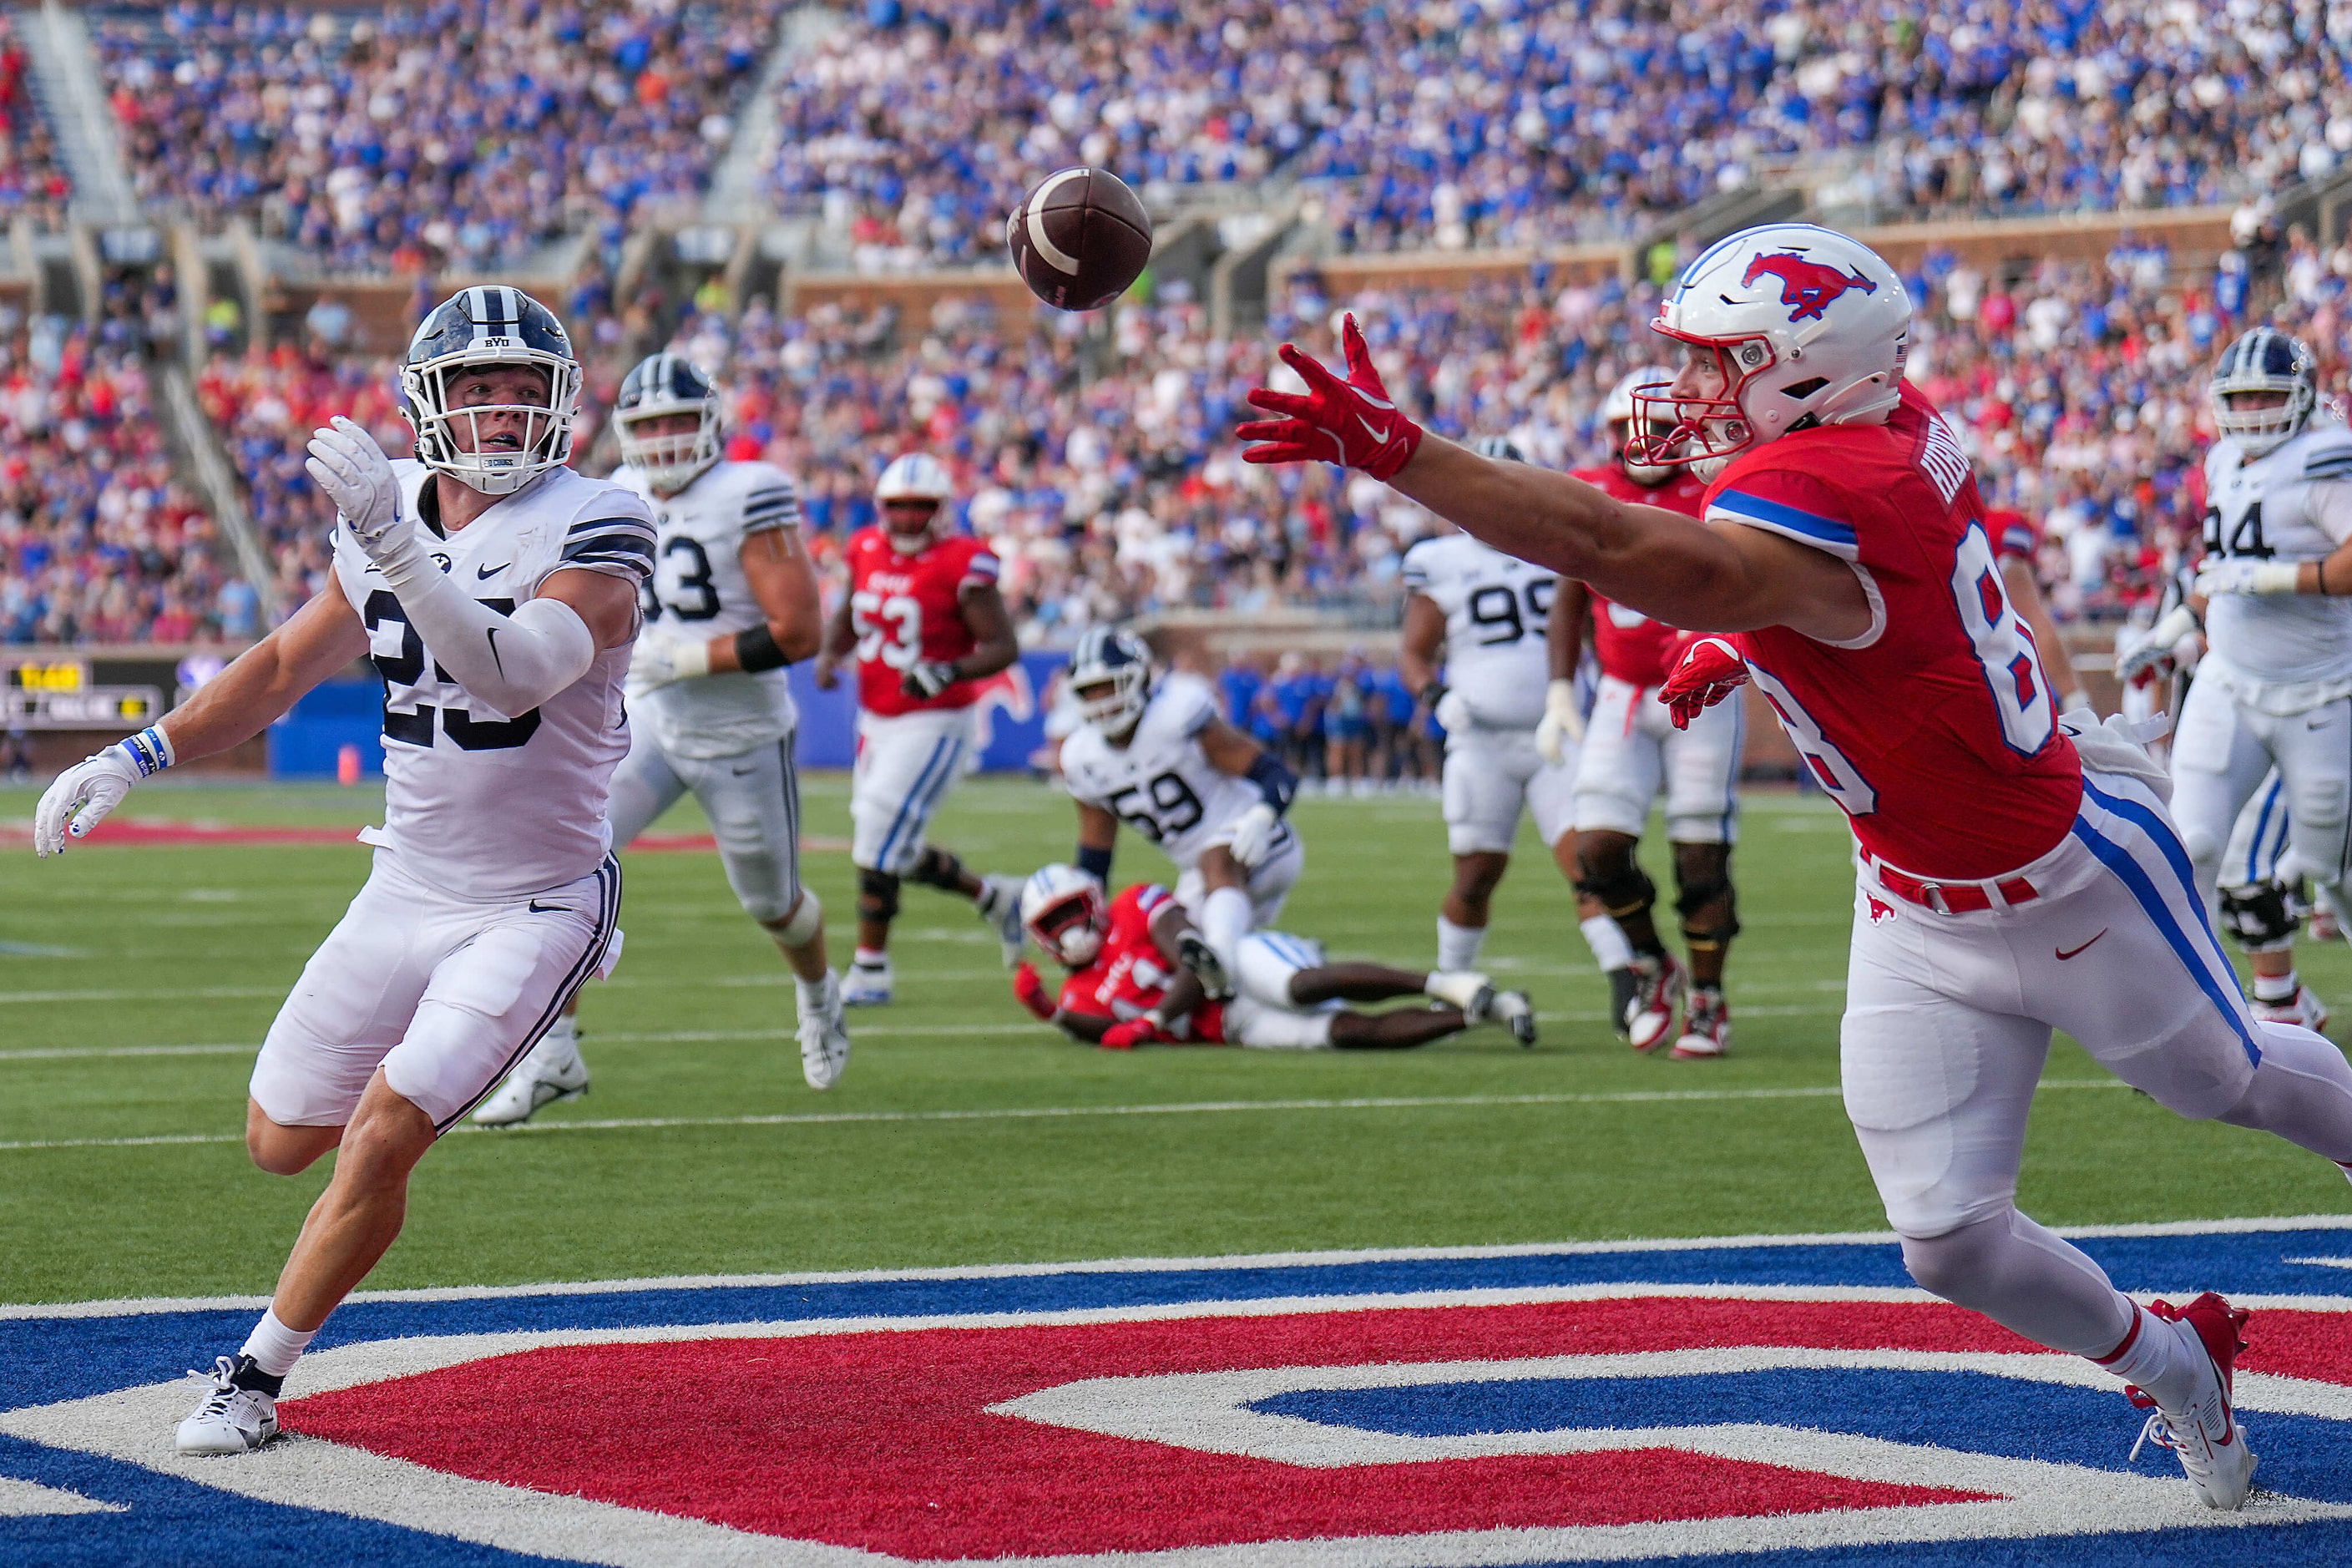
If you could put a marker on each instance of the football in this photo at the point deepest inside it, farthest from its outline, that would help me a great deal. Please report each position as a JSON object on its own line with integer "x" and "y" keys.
{"x": 1079, "y": 239}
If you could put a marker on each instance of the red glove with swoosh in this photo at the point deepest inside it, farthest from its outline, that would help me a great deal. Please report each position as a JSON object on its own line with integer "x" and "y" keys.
{"x": 1133, "y": 1033}
{"x": 1711, "y": 669}
{"x": 1353, "y": 422}
{"x": 1031, "y": 989}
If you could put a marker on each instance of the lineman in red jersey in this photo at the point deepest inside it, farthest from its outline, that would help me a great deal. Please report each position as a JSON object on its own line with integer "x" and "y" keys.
{"x": 927, "y": 625}
{"x": 2015, "y": 542}
{"x": 2014, "y": 878}
{"x": 1127, "y": 986}
{"x": 1629, "y": 750}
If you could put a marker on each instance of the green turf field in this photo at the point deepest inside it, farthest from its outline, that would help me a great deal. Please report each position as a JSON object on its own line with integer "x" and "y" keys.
{"x": 135, "y": 983}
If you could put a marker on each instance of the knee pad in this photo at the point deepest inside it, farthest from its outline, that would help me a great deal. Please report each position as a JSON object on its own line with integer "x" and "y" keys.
{"x": 801, "y": 925}
{"x": 937, "y": 868}
{"x": 1697, "y": 897}
{"x": 2264, "y": 916}
{"x": 878, "y": 895}
{"x": 1625, "y": 892}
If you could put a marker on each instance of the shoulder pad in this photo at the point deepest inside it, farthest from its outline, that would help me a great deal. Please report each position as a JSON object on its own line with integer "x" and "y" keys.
{"x": 2328, "y": 455}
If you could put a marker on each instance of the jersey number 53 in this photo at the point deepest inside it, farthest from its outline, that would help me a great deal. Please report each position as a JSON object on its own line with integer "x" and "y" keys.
{"x": 889, "y": 628}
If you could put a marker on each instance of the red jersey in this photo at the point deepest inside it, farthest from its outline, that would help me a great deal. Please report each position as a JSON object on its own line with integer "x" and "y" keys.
{"x": 1129, "y": 976}
{"x": 906, "y": 609}
{"x": 1630, "y": 645}
{"x": 1936, "y": 731}
{"x": 2013, "y": 534}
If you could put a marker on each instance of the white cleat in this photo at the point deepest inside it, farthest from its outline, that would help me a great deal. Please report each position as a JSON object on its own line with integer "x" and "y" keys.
{"x": 1707, "y": 1026}
{"x": 1194, "y": 954}
{"x": 825, "y": 1038}
{"x": 1466, "y": 989}
{"x": 2302, "y": 1008}
{"x": 231, "y": 1420}
{"x": 553, "y": 1071}
{"x": 2205, "y": 1432}
{"x": 867, "y": 985}
{"x": 999, "y": 906}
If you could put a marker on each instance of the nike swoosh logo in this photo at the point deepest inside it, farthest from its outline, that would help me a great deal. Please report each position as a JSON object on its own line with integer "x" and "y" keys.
{"x": 1375, "y": 431}
{"x": 538, "y": 908}
{"x": 492, "y": 633}
{"x": 484, "y": 573}
{"x": 739, "y": 773}
{"x": 2064, "y": 955}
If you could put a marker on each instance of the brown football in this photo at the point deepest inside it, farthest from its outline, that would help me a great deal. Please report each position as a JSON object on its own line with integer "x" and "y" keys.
{"x": 1079, "y": 239}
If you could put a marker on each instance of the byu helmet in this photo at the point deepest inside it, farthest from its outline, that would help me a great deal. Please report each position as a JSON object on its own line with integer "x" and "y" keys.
{"x": 1064, "y": 913}
{"x": 660, "y": 385}
{"x": 472, "y": 330}
{"x": 1116, "y": 665}
{"x": 2265, "y": 360}
{"x": 913, "y": 477}
{"x": 1805, "y": 327}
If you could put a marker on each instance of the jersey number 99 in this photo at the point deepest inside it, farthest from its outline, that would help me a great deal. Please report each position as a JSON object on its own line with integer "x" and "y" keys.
{"x": 1496, "y": 611}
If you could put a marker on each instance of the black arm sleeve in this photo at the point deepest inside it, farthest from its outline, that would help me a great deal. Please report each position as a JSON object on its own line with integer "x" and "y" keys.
{"x": 756, "y": 649}
{"x": 1094, "y": 863}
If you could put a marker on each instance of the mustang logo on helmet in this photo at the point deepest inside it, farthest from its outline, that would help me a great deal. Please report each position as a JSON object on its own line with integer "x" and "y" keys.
{"x": 1810, "y": 287}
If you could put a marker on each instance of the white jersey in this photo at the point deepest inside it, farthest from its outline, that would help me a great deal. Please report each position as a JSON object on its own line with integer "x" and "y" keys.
{"x": 699, "y": 591}
{"x": 1161, "y": 783}
{"x": 2280, "y": 652}
{"x": 485, "y": 805}
{"x": 1497, "y": 612}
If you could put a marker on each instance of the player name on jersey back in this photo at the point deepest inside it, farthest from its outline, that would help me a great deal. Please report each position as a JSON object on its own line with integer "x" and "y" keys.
{"x": 488, "y": 804}
{"x": 699, "y": 591}
{"x": 2283, "y": 651}
{"x": 908, "y": 608}
{"x": 1935, "y": 730}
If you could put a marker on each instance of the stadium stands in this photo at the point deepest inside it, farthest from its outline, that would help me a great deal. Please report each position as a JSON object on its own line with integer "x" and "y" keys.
{"x": 460, "y": 133}
{"x": 33, "y": 181}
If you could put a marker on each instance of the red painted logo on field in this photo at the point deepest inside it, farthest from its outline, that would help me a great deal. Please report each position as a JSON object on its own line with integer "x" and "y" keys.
{"x": 1808, "y": 287}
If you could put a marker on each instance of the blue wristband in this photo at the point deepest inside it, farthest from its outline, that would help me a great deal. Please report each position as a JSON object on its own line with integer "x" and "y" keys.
{"x": 1275, "y": 783}
{"x": 149, "y": 752}
{"x": 1094, "y": 863}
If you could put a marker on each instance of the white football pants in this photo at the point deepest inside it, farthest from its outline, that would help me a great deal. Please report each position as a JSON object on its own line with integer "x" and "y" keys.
{"x": 753, "y": 799}
{"x": 2222, "y": 752}
{"x": 906, "y": 764}
{"x": 1491, "y": 776}
{"x": 1632, "y": 749}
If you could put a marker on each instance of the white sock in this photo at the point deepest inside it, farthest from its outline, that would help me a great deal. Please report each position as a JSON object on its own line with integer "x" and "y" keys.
{"x": 1226, "y": 919}
{"x": 274, "y": 1347}
{"x": 812, "y": 992}
{"x": 1457, "y": 946}
{"x": 1607, "y": 939}
{"x": 872, "y": 957}
{"x": 558, "y": 1046}
{"x": 2276, "y": 987}
{"x": 2155, "y": 1359}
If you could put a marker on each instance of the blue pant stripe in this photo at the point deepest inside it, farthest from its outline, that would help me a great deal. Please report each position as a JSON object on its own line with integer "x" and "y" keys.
{"x": 2263, "y": 829}
{"x": 2161, "y": 833}
{"x": 899, "y": 823}
{"x": 2134, "y": 877}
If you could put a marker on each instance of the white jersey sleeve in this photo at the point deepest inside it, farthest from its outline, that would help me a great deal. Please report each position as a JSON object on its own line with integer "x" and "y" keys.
{"x": 2280, "y": 652}
{"x": 1497, "y": 612}
{"x": 1161, "y": 782}
{"x": 491, "y": 806}
{"x": 699, "y": 591}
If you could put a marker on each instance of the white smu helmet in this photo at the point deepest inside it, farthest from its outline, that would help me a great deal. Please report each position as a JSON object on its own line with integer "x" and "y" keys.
{"x": 913, "y": 476}
{"x": 1808, "y": 328}
{"x": 1617, "y": 409}
{"x": 1063, "y": 910}
{"x": 1118, "y": 663}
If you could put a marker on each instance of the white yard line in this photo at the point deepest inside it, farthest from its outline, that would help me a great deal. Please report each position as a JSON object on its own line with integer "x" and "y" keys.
{"x": 1056, "y": 1113}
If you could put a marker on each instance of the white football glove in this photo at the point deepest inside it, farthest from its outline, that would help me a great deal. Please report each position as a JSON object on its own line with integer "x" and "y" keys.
{"x": 659, "y": 661}
{"x": 2240, "y": 575}
{"x": 930, "y": 677}
{"x": 1451, "y": 712}
{"x": 2172, "y": 642}
{"x": 82, "y": 796}
{"x": 352, "y": 472}
{"x": 1561, "y": 726}
{"x": 1254, "y": 833}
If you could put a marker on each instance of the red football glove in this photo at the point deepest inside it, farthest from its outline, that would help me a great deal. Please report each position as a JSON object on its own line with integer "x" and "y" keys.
{"x": 1353, "y": 422}
{"x": 1031, "y": 990}
{"x": 1711, "y": 669}
{"x": 1133, "y": 1033}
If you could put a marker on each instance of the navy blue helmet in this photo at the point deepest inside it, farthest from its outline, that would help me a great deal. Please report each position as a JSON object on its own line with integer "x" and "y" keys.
{"x": 1499, "y": 447}
{"x": 2264, "y": 361}
{"x": 507, "y": 445}
{"x": 1110, "y": 678}
{"x": 660, "y": 385}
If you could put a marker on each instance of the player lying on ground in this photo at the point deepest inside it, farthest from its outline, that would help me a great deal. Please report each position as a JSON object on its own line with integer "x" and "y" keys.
{"x": 494, "y": 893}
{"x": 2274, "y": 691}
{"x": 1153, "y": 753}
{"x": 733, "y": 601}
{"x": 2013, "y": 877}
{"x": 1476, "y": 653}
{"x": 1128, "y": 987}
{"x": 926, "y": 626}
{"x": 1630, "y": 753}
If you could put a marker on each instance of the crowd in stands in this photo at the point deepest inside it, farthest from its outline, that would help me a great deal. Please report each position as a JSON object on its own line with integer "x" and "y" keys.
{"x": 33, "y": 181}
{"x": 417, "y": 137}
{"x": 1511, "y": 121}
{"x": 97, "y": 541}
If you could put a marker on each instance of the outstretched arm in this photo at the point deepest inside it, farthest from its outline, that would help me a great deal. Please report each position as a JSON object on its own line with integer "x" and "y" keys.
{"x": 1683, "y": 572}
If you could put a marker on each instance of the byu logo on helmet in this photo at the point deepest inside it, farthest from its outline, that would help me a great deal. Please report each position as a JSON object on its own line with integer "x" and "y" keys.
{"x": 1807, "y": 285}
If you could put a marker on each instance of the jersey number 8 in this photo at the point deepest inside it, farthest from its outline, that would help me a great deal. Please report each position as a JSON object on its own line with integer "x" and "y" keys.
{"x": 2012, "y": 670}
